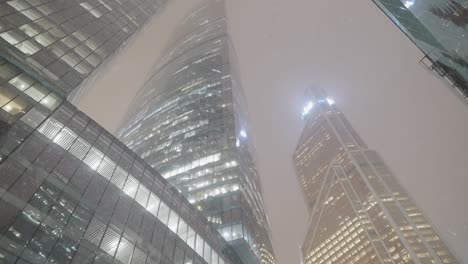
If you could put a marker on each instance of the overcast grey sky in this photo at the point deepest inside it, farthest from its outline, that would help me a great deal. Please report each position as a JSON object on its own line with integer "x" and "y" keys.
{"x": 350, "y": 49}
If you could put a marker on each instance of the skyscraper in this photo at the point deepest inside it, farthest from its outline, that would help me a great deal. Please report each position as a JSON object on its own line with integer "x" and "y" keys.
{"x": 439, "y": 28}
{"x": 63, "y": 42}
{"x": 190, "y": 123}
{"x": 70, "y": 192}
{"x": 358, "y": 211}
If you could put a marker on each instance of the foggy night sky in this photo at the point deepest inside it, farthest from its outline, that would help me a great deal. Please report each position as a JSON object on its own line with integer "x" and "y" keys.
{"x": 352, "y": 50}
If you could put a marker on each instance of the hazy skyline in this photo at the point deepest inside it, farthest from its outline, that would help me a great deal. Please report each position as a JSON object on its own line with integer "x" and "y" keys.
{"x": 355, "y": 53}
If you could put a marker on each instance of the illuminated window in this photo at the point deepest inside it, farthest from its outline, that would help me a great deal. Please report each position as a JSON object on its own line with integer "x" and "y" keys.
{"x": 45, "y": 23}
{"x": 30, "y": 29}
{"x": 91, "y": 9}
{"x": 182, "y": 230}
{"x": 207, "y": 253}
{"x": 83, "y": 50}
{"x": 214, "y": 258}
{"x": 124, "y": 253}
{"x": 83, "y": 68}
{"x": 163, "y": 213}
{"x": 131, "y": 186}
{"x": 71, "y": 59}
{"x": 80, "y": 148}
{"x": 45, "y": 39}
{"x": 70, "y": 41}
{"x": 12, "y": 37}
{"x": 57, "y": 32}
{"x": 93, "y": 159}
{"x": 6, "y": 95}
{"x": 409, "y": 3}
{"x": 37, "y": 92}
{"x": 173, "y": 221}
{"x": 226, "y": 233}
{"x": 119, "y": 177}
{"x": 93, "y": 59}
{"x": 65, "y": 138}
{"x": 110, "y": 241}
{"x": 142, "y": 195}
{"x": 237, "y": 231}
{"x": 17, "y": 106}
{"x": 104, "y": 4}
{"x": 32, "y": 14}
{"x": 45, "y": 9}
{"x": 22, "y": 81}
{"x": 199, "y": 245}
{"x": 153, "y": 204}
{"x": 191, "y": 238}
{"x": 51, "y": 101}
{"x": 19, "y": 4}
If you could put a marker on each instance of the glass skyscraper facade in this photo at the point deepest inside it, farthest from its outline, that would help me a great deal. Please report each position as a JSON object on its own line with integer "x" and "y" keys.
{"x": 359, "y": 213}
{"x": 70, "y": 192}
{"x": 439, "y": 28}
{"x": 63, "y": 42}
{"x": 190, "y": 123}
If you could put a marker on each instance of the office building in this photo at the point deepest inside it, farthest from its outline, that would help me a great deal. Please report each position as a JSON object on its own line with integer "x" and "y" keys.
{"x": 63, "y": 42}
{"x": 70, "y": 192}
{"x": 439, "y": 28}
{"x": 359, "y": 213}
{"x": 190, "y": 123}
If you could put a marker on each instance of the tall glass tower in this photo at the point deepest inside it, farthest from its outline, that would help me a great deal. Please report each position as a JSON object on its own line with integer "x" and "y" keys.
{"x": 190, "y": 123}
{"x": 63, "y": 42}
{"x": 358, "y": 211}
{"x": 439, "y": 28}
{"x": 70, "y": 192}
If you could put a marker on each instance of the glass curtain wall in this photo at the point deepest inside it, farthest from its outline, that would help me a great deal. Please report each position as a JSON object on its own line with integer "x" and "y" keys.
{"x": 63, "y": 42}
{"x": 359, "y": 213}
{"x": 190, "y": 123}
{"x": 70, "y": 192}
{"x": 440, "y": 29}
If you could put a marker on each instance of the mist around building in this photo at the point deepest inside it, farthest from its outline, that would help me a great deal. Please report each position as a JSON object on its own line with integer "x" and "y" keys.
{"x": 179, "y": 181}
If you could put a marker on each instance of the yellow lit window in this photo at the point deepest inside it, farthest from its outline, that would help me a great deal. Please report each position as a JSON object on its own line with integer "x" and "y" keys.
{"x": 6, "y": 95}
{"x": 17, "y": 106}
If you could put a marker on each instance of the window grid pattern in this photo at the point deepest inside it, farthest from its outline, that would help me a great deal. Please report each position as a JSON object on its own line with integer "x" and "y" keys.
{"x": 65, "y": 41}
{"x": 78, "y": 147}
{"x": 72, "y": 193}
{"x": 19, "y": 92}
{"x": 359, "y": 213}
{"x": 190, "y": 123}
{"x": 21, "y": 98}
